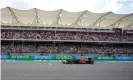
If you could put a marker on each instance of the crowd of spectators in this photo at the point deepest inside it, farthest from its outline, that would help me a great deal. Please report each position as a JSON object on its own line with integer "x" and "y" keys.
{"x": 55, "y": 35}
{"x": 67, "y": 48}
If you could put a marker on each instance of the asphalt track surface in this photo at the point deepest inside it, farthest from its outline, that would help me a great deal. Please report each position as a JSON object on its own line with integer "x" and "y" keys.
{"x": 59, "y": 71}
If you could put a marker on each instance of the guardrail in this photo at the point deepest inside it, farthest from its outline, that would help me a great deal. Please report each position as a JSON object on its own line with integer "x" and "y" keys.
{"x": 97, "y": 58}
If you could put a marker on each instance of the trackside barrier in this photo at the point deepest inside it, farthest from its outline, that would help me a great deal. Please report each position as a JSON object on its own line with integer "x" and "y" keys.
{"x": 3, "y": 57}
{"x": 63, "y": 57}
{"x": 77, "y": 57}
{"x": 43, "y": 57}
{"x": 105, "y": 58}
{"x": 124, "y": 58}
{"x": 97, "y": 58}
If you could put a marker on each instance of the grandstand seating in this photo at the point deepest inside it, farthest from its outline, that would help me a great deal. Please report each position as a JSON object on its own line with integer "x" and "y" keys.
{"x": 78, "y": 36}
{"x": 9, "y": 44}
{"x": 67, "y": 48}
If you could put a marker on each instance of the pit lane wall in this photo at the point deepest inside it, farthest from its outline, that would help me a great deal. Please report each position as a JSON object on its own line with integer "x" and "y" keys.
{"x": 97, "y": 58}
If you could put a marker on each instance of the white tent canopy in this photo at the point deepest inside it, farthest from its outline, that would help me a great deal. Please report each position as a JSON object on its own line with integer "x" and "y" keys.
{"x": 62, "y": 18}
{"x": 94, "y": 6}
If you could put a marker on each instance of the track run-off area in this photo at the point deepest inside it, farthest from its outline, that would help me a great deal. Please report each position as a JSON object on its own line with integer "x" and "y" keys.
{"x": 55, "y": 70}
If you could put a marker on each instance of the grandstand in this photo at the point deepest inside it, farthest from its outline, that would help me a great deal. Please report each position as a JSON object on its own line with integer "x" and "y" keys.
{"x": 38, "y": 32}
{"x": 35, "y": 41}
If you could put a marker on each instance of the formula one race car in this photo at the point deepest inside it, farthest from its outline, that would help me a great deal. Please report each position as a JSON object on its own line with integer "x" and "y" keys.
{"x": 79, "y": 61}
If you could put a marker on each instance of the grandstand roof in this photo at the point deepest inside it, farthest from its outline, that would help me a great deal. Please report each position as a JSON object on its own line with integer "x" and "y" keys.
{"x": 62, "y": 18}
